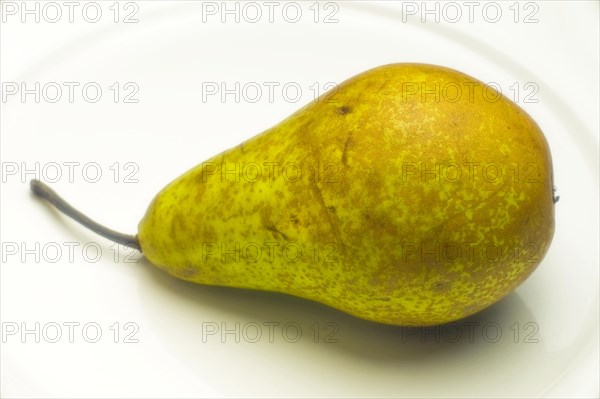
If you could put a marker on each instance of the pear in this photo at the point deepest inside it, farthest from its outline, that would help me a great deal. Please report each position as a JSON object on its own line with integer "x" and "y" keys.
{"x": 411, "y": 194}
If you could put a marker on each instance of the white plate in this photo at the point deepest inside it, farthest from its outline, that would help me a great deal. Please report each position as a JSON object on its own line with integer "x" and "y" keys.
{"x": 548, "y": 344}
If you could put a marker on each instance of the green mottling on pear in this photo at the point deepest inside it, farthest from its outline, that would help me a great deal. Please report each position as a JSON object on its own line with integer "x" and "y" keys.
{"x": 392, "y": 198}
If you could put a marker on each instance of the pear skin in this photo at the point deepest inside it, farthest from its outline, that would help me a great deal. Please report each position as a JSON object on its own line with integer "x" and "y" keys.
{"x": 411, "y": 194}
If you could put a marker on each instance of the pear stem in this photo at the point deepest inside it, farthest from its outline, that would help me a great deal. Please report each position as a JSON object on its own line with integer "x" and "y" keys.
{"x": 43, "y": 191}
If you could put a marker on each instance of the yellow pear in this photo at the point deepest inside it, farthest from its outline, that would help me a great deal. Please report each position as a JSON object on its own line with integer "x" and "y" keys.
{"x": 411, "y": 194}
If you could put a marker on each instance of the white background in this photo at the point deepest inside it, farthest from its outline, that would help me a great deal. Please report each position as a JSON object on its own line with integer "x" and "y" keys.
{"x": 167, "y": 57}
